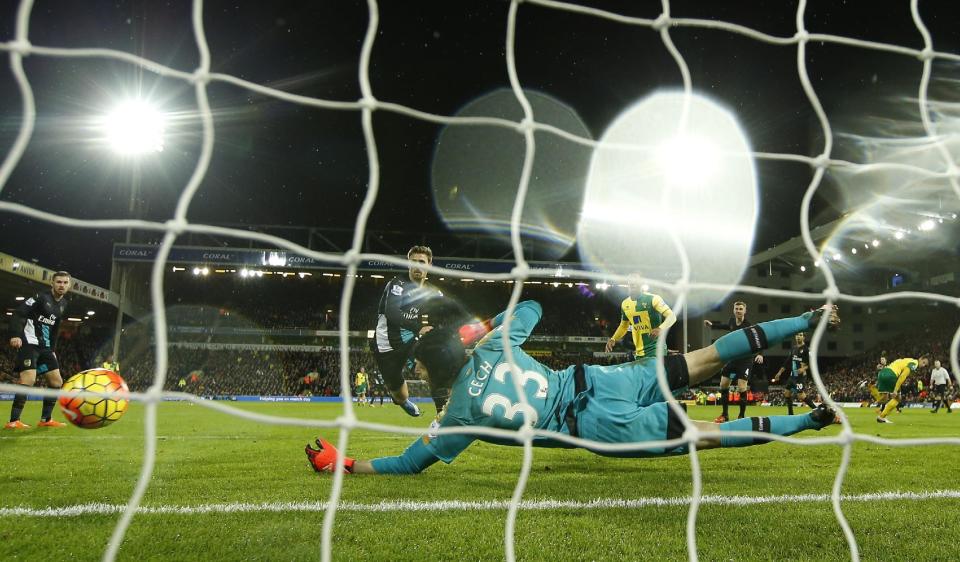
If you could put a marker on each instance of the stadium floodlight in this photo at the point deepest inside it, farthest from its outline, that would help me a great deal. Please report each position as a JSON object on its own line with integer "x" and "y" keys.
{"x": 853, "y": 251}
{"x": 205, "y": 271}
{"x": 898, "y": 235}
{"x": 134, "y": 127}
{"x": 927, "y": 225}
{"x": 20, "y": 298}
{"x": 875, "y": 243}
{"x": 90, "y": 313}
{"x": 837, "y": 256}
{"x": 196, "y": 271}
{"x": 803, "y": 268}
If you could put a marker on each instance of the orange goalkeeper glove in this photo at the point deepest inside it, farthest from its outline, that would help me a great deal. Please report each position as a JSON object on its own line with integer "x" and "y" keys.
{"x": 324, "y": 457}
{"x": 469, "y": 333}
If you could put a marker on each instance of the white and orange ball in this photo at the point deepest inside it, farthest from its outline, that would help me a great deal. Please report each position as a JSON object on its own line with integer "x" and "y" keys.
{"x": 91, "y": 412}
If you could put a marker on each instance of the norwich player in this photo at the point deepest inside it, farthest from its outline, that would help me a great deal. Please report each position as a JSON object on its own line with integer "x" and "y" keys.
{"x": 889, "y": 381}
{"x": 798, "y": 364}
{"x": 36, "y": 324}
{"x": 586, "y": 401}
{"x": 360, "y": 382}
{"x": 646, "y": 315}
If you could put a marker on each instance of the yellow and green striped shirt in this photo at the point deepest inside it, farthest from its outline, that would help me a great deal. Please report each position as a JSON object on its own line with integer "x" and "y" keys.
{"x": 642, "y": 315}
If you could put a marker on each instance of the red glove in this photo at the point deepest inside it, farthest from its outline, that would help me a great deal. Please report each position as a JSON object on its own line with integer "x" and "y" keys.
{"x": 324, "y": 458}
{"x": 470, "y": 333}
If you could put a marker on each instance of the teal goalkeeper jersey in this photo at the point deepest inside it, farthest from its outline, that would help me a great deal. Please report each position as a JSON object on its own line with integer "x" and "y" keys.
{"x": 484, "y": 393}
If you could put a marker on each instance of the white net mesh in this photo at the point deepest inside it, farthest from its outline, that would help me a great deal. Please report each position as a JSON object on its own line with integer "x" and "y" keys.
{"x": 202, "y": 76}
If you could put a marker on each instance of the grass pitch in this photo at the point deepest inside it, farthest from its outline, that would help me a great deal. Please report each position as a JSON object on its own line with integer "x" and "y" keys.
{"x": 230, "y": 489}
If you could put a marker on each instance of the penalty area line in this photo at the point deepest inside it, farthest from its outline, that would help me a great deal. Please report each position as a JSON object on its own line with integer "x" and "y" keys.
{"x": 446, "y": 505}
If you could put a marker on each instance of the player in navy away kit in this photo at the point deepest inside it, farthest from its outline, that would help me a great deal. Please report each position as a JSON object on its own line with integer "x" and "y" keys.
{"x": 798, "y": 367}
{"x": 607, "y": 404}
{"x": 739, "y": 369}
{"x": 35, "y": 327}
{"x": 399, "y": 324}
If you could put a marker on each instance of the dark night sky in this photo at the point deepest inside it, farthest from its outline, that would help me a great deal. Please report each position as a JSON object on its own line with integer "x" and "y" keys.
{"x": 282, "y": 164}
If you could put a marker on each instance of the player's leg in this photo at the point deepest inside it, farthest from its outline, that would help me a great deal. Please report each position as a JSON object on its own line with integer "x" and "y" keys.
{"x": 788, "y": 396}
{"x": 807, "y": 398}
{"x": 717, "y": 435}
{"x": 724, "y": 398}
{"x": 391, "y": 365}
{"x": 396, "y": 386}
{"x": 26, "y": 366}
{"x": 54, "y": 382}
{"x": 704, "y": 363}
{"x": 895, "y": 396}
{"x": 742, "y": 387}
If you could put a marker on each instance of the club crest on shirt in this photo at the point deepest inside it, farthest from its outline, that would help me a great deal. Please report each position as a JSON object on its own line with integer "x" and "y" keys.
{"x": 396, "y": 290}
{"x": 27, "y": 362}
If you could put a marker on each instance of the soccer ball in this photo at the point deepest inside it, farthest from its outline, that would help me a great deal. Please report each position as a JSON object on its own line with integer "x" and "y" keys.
{"x": 91, "y": 412}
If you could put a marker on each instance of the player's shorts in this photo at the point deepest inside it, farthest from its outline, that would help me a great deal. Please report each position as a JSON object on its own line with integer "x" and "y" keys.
{"x": 623, "y": 404}
{"x": 794, "y": 385}
{"x": 391, "y": 363}
{"x": 361, "y": 388}
{"x": 739, "y": 369}
{"x": 886, "y": 380}
{"x": 33, "y": 357}
{"x": 939, "y": 389}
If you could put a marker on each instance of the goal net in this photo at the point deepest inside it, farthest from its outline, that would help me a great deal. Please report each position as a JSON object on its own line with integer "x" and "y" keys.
{"x": 648, "y": 132}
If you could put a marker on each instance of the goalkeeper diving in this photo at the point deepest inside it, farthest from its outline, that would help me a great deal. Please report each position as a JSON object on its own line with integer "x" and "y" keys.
{"x": 608, "y": 404}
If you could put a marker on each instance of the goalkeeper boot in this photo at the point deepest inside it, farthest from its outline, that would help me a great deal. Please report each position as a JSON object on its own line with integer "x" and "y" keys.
{"x": 51, "y": 423}
{"x": 16, "y": 424}
{"x": 823, "y": 416}
{"x": 411, "y": 409}
{"x": 828, "y": 311}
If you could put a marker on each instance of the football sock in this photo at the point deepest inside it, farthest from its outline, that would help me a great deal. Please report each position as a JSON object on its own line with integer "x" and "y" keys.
{"x": 875, "y": 393}
{"x": 790, "y": 406}
{"x": 739, "y": 344}
{"x": 889, "y": 407}
{"x": 724, "y": 400}
{"x": 743, "y": 404}
{"x": 779, "y": 425}
{"x": 19, "y": 401}
{"x": 47, "y": 411}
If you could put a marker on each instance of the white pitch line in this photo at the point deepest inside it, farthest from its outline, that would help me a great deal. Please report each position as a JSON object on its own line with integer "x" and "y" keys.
{"x": 446, "y": 505}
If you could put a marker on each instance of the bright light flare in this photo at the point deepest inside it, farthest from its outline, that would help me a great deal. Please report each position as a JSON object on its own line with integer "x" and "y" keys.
{"x": 135, "y": 127}
{"x": 688, "y": 160}
{"x": 927, "y": 225}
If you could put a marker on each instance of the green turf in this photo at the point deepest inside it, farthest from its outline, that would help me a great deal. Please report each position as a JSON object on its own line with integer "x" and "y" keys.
{"x": 205, "y": 457}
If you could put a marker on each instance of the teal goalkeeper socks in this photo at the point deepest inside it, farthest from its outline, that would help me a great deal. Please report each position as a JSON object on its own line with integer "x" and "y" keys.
{"x": 778, "y": 425}
{"x": 738, "y": 344}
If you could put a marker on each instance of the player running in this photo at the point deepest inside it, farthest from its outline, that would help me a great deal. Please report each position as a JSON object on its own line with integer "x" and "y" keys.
{"x": 399, "y": 324}
{"x": 608, "y": 404}
{"x": 34, "y": 331}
